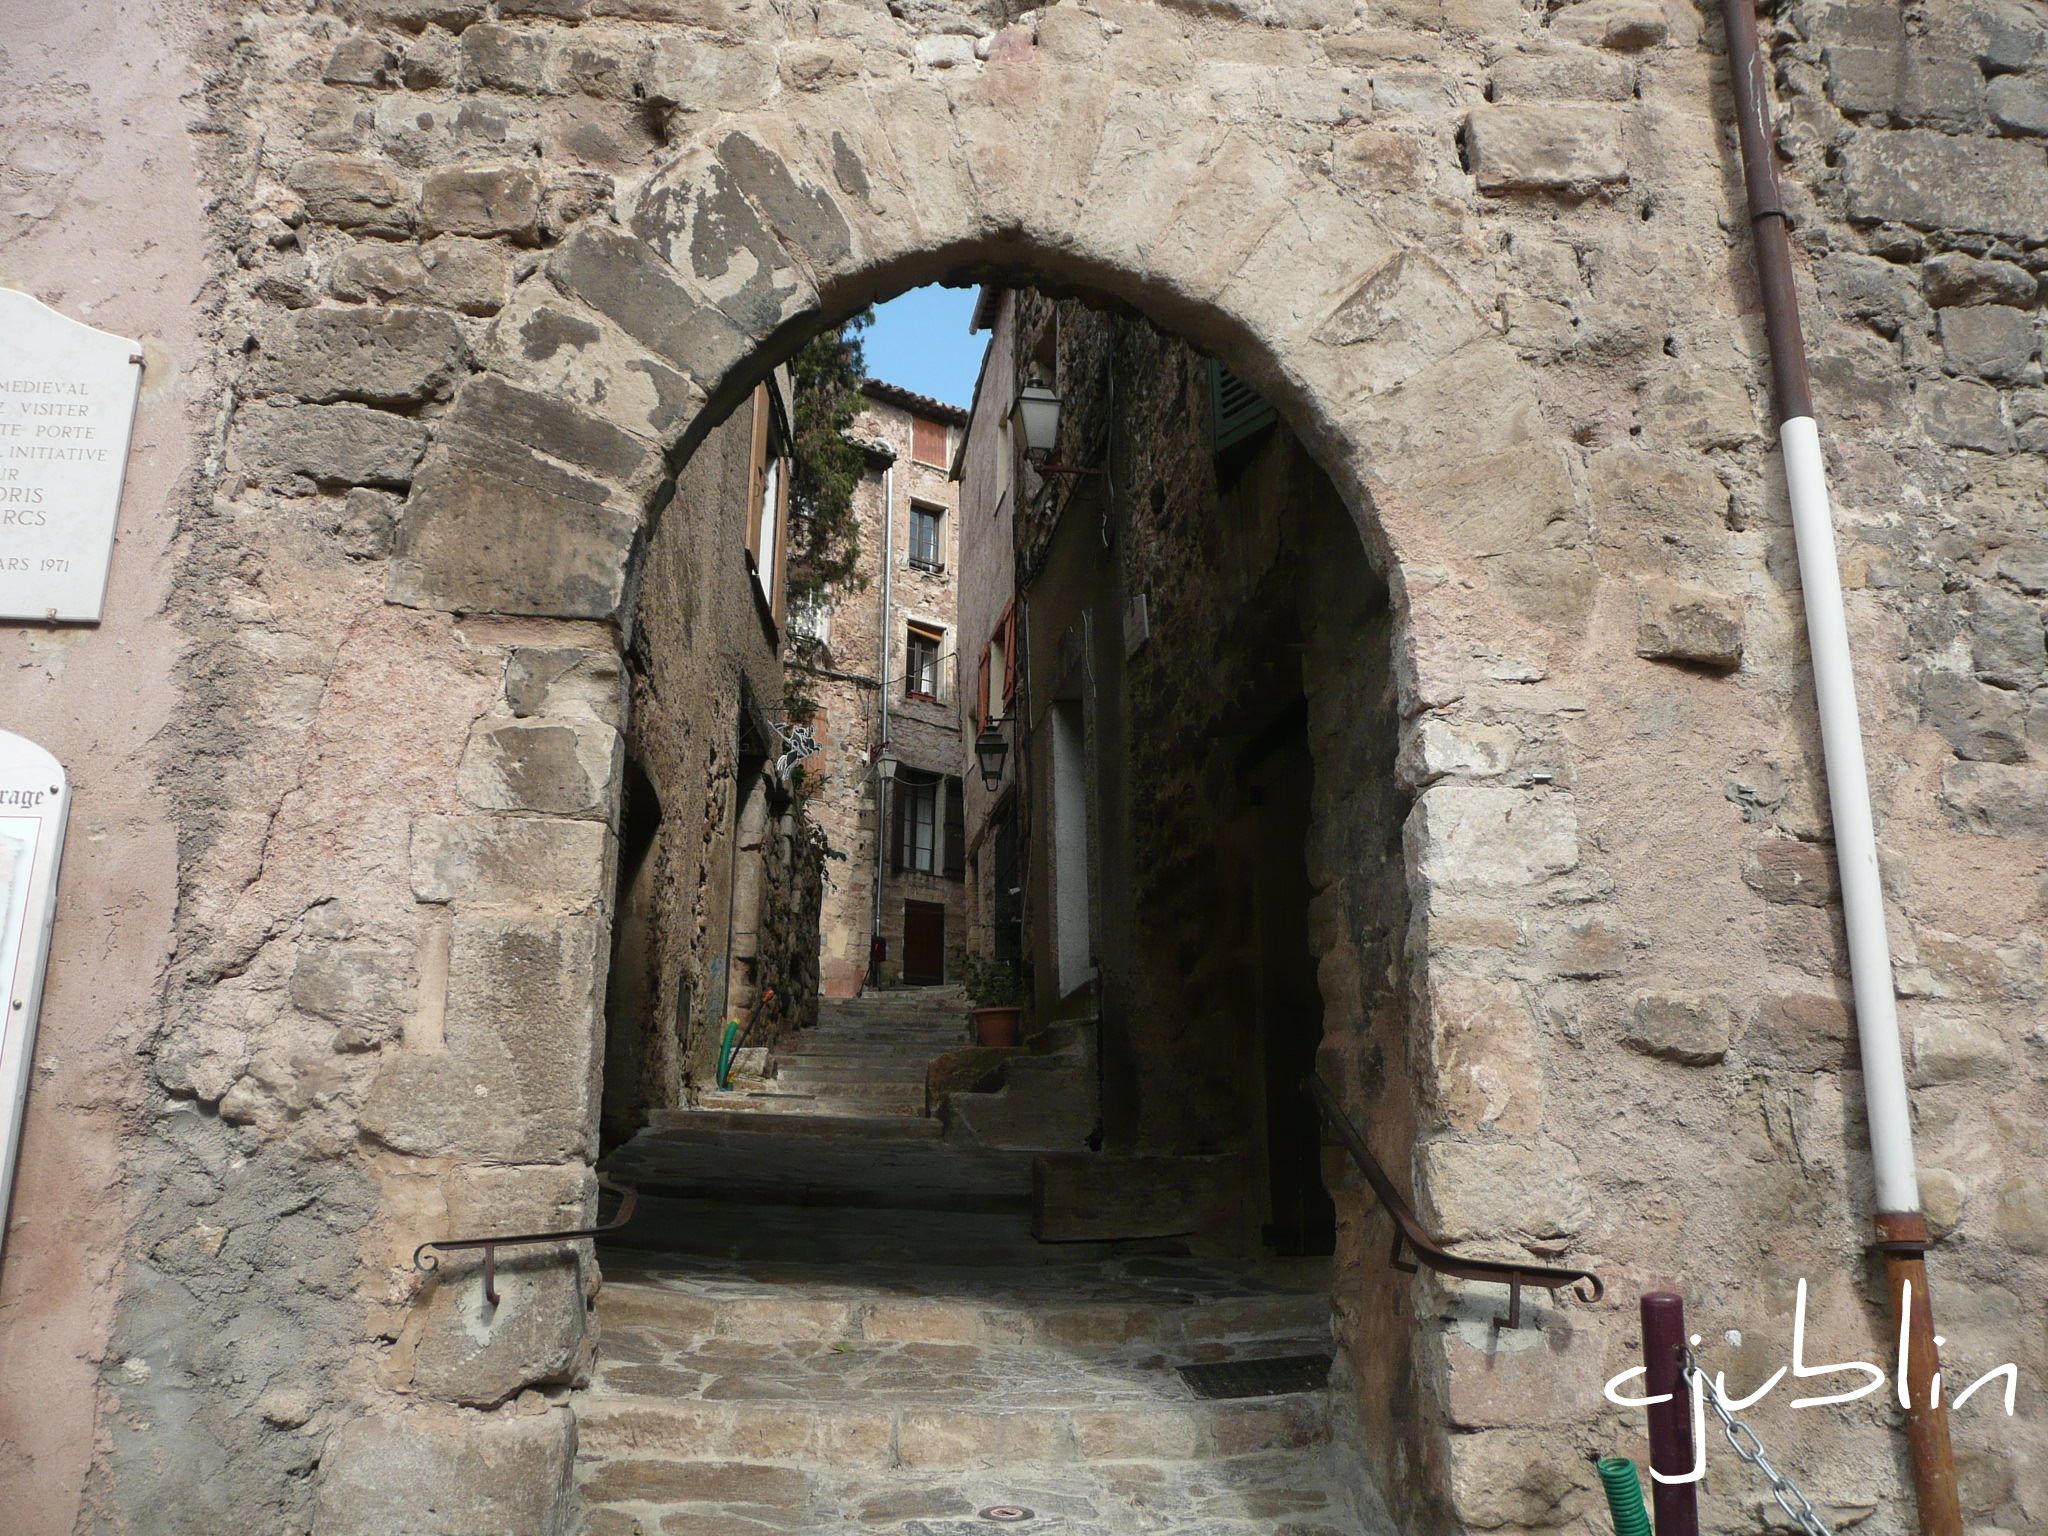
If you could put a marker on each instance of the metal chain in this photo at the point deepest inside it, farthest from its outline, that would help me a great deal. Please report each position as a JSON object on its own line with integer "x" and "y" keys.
{"x": 1798, "y": 1508}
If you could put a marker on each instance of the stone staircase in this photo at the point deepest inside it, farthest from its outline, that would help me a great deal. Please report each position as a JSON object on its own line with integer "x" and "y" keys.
{"x": 832, "y": 1312}
{"x": 865, "y": 1058}
{"x": 745, "y": 1398}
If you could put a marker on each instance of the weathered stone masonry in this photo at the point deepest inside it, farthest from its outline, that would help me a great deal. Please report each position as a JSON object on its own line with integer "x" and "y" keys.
{"x": 480, "y": 268}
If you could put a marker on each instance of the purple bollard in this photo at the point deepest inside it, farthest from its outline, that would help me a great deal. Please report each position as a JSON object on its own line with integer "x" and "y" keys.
{"x": 1677, "y": 1505}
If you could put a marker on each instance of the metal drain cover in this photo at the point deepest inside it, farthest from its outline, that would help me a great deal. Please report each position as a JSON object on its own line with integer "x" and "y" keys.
{"x": 1257, "y": 1378}
{"x": 1007, "y": 1514}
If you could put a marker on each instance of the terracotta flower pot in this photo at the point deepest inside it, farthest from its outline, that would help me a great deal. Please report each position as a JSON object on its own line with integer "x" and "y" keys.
{"x": 997, "y": 1026}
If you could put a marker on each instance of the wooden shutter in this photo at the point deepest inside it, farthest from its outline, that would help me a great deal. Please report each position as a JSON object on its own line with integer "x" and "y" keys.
{"x": 981, "y": 693}
{"x": 897, "y": 807}
{"x": 956, "y": 831}
{"x": 757, "y": 469}
{"x": 1009, "y": 654}
{"x": 928, "y": 441}
{"x": 1236, "y": 409}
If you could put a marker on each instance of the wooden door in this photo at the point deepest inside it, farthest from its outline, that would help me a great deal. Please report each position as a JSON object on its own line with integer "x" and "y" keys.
{"x": 924, "y": 943}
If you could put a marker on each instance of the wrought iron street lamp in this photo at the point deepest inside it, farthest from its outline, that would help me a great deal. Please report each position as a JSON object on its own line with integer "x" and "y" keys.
{"x": 1040, "y": 409}
{"x": 991, "y": 747}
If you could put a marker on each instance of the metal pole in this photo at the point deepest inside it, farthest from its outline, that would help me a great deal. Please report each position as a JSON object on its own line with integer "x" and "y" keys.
{"x": 1902, "y": 1229}
{"x": 1677, "y": 1505}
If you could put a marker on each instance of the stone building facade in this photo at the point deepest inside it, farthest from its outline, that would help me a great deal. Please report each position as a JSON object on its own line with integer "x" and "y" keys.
{"x": 884, "y": 671}
{"x": 1488, "y": 258}
{"x": 721, "y": 863}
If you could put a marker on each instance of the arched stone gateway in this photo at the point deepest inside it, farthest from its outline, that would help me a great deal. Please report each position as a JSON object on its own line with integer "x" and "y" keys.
{"x": 1489, "y": 262}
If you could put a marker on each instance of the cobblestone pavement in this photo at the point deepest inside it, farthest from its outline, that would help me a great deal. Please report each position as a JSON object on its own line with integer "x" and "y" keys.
{"x": 734, "y": 1399}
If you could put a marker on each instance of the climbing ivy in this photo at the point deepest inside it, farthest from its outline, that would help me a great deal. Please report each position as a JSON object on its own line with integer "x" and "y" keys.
{"x": 825, "y": 465}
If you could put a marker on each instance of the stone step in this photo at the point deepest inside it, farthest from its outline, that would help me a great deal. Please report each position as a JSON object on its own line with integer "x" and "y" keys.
{"x": 712, "y": 1117}
{"x": 796, "y": 1103}
{"x": 836, "y": 1233}
{"x": 891, "y": 1071}
{"x": 1089, "y": 1421}
{"x": 691, "y": 1310}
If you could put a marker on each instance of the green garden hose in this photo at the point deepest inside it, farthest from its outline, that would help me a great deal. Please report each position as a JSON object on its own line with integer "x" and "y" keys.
{"x": 728, "y": 1047}
{"x": 1624, "y": 1496}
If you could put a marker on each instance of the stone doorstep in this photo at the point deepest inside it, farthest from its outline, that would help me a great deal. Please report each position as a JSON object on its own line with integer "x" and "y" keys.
{"x": 615, "y": 1428}
{"x": 1239, "y": 1496}
{"x": 720, "y": 1113}
{"x": 685, "y": 1316}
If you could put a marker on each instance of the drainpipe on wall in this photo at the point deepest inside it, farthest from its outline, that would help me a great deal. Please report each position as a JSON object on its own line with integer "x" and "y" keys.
{"x": 882, "y": 698}
{"x": 1901, "y": 1226}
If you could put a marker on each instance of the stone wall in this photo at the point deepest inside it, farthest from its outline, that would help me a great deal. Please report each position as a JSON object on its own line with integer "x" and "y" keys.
{"x": 468, "y": 276}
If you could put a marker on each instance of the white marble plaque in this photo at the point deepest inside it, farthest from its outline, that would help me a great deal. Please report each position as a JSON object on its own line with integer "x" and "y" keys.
{"x": 67, "y": 405}
{"x": 35, "y": 803}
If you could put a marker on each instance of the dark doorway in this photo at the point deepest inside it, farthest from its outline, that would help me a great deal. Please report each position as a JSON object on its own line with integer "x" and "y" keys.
{"x": 1007, "y": 897}
{"x": 924, "y": 943}
{"x": 1276, "y": 774}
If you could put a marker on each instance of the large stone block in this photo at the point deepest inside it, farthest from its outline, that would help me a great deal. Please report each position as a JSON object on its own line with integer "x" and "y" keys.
{"x": 1546, "y": 148}
{"x": 1696, "y": 625}
{"x": 449, "y": 1473}
{"x": 472, "y": 276}
{"x": 1514, "y": 1480}
{"x": 1956, "y": 277}
{"x": 481, "y": 200}
{"x": 561, "y": 767}
{"x": 695, "y": 217}
{"x": 1907, "y": 84}
{"x": 491, "y": 418}
{"x": 1562, "y": 73}
{"x": 505, "y": 535}
{"x": 2008, "y": 643}
{"x": 1998, "y": 799}
{"x": 581, "y": 359}
{"x": 514, "y": 1076}
{"x": 624, "y": 280}
{"x": 2019, "y": 104}
{"x": 524, "y": 861}
{"x": 333, "y": 444}
{"x": 1980, "y": 723}
{"x": 1483, "y": 1049}
{"x": 1784, "y": 869}
{"x": 1989, "y": 341}
{"x": 1934, "y": 180}
{"x": 378, "y": 356}
{"x": 537, "y": 1335}
{"x": 1964, "y": 414}
{"x": 1803, "y": 1032}
{"x": 1470, "y": 834}
{"x": 1953, "y": 1048}
{"x": 1691, "y": 1028}
{"x": 1504, "y": 1189}
{"x": 1625, "y": 25}
{"x": 352, "y": 193}
{"x": 365, "y": 988}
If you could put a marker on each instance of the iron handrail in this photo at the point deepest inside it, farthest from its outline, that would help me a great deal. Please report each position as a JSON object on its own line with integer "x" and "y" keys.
{"x": 628, "y": 1199}
{"x": 1410, "y": 1234}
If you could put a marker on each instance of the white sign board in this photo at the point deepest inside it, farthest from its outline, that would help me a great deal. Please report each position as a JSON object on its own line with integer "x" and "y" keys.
{"x": 67, "y": 405}
{"x": 35, "y": 799}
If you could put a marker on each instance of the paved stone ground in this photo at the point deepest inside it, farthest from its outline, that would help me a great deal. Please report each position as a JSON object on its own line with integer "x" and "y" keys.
{"x": 736, "y": 1398}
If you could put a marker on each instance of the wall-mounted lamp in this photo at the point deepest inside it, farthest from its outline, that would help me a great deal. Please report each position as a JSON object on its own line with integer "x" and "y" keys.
{"x": 1040, "y": 408}
{"x": 884, "y": 759}
{"x": 991, "y": 747}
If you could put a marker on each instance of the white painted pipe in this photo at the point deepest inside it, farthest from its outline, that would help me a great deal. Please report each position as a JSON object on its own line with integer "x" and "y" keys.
{"x": 1841, "y": 737}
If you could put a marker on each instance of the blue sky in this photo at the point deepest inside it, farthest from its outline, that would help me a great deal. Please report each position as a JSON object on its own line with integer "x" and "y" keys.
{"x": 919, "y": 340}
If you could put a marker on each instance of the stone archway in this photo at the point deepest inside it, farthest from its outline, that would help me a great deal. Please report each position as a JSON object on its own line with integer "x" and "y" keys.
{"x": 1262, "y": 217}
{"x": 600, "y": 374}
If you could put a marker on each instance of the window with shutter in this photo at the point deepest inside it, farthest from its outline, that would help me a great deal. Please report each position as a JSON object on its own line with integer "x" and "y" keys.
{"x": 921, "y": 662}
{"x": 1009, "y": 655}
{"x": 1236, "y": 410}
{"x": 981, "y": 715}
{"x": 928, "y": 441}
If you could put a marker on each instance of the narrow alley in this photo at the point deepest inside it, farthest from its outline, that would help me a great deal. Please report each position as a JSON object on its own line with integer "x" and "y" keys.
{"x": 1007, "y": 1205}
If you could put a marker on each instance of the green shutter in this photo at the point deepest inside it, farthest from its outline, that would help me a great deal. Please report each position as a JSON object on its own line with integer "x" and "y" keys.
{"x": 1235, "y": 407}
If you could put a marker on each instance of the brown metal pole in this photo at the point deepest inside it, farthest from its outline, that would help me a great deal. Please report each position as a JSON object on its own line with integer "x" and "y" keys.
{"x": 1677, "y": 1505}
{"x": 1902, "y": 1234}
{"x": 1903, "y": 1237}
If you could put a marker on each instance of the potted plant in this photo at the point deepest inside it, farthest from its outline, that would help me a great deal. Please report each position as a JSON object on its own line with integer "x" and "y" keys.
{"x": 997, "y": 990}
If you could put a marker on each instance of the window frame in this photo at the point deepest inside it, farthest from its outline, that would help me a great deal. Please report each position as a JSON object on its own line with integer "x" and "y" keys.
{"x": 936, "y": 514}
{"x": 917, "y": 635}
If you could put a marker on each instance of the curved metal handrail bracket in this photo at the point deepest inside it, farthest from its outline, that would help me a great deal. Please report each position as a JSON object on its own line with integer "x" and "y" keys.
{"x": 421, "y": 1260}
{"x": 1412, "y": 1236}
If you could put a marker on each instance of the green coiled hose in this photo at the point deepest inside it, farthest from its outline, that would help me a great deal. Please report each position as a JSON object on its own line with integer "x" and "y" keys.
{"x": 1624, "y": 1496}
